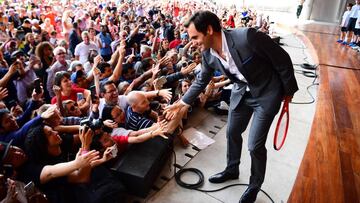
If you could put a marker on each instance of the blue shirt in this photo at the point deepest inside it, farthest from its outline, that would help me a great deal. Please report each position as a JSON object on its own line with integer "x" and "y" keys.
{"x": 136, "y": 121}
{"x": 19, "y": 135}
{"x": 105, "y": 41}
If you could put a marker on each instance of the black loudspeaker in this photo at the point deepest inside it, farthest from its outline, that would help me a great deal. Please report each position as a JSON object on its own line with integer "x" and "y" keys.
{"x": 141, "y": 164}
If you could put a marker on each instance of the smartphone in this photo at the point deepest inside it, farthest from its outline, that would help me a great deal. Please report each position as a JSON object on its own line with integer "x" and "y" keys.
{"x": 37, "y": 85}
{"x": 80, "y": 96}
{"x": 181, "y": 51}
{"x": 94, "y": 98}
{"x": 114, "y": 150}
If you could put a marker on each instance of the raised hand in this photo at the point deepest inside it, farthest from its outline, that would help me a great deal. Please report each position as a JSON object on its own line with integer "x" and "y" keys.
{"x": 3, "y": 93}
{"x": 188, "y": 69}
{"x": 171, "y": 111}
{"x": 160, "y": 131}
{"x": 11, "y": 195}
{"x": 84, "y": 158}
{"x": 37, "y": 96}
{"x": 97, "y": 60}
{"x": 108, "y": 153}
{"x": 209, "y": 88}
{"x": 164, "y": 61}
{"x": 86, "y": 137}
{"x": 13, "y": 68}
{"x": 155, "y": 69}
{"x": 166, "y": 94}
{"x": 110, "y": 124}
{"x": 122, "y": 48}
{"x": 49, "y": 112}
{"x": 57, "y": 90}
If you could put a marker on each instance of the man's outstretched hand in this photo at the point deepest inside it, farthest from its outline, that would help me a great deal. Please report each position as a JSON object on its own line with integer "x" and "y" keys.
{"x": 171, "y": 111}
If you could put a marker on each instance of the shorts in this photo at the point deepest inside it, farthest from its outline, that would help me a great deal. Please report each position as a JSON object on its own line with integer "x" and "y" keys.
{"x": 343, "y": 29}
{"x": 351, "y": 24}
{"x": 357, "y": 32}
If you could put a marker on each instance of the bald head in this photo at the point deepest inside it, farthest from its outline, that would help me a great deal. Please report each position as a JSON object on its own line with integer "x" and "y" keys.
{"x": 138, "y": 101}
{"x": 134, "y": 97}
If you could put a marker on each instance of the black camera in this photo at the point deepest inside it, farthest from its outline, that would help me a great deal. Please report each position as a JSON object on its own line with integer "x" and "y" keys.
{"x": 93, "y": 124}
{"x": 37, "y": 85}
{"x": 11, "y": 104}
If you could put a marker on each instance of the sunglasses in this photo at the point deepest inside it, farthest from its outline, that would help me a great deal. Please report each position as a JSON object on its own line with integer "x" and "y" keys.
{"x": 73, "y": 107}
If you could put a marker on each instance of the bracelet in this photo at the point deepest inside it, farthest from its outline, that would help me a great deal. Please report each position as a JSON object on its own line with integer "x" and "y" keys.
{"x": 84, "y": 151}
{"x": 157, "y": 94}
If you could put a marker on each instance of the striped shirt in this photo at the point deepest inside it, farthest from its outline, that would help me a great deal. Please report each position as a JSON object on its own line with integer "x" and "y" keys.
{"x": 72, "y": 120}
{"x": 136, "y": 121}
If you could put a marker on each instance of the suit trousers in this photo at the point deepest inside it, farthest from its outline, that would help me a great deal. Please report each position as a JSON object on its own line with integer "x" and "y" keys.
{"x": 238, "y": 120}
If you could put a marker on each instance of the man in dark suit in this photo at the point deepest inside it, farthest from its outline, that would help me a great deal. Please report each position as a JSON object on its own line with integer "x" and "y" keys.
{"x": 263, "y": 77}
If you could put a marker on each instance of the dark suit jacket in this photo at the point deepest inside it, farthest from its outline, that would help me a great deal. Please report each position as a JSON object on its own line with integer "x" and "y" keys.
{"x": 265, "y": 65}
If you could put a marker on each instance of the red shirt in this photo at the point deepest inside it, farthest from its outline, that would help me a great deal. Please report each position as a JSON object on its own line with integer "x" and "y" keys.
{"x": 173, "y": 44}
{"x": 176, "y": 11}
{"x": 121, "y": 142}
{"x": 52, "y": 17}
{"x": 72, "y": 96}
{"x": 231, "y": 22}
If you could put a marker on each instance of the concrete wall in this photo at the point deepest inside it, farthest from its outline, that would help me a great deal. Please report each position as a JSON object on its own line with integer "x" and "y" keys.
{"x": 325, "y": 10}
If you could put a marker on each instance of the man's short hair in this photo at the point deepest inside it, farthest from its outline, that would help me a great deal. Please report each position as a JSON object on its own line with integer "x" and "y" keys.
{"x": 102, "y": 87}
{"x": 144, "y": 48}
{"x": 102, "y": 66}
{"x": 84, "y": 34}
{"x": 59, "y": 76}
{"x": 59, "y": 49}
{"x": 202, "y": 19}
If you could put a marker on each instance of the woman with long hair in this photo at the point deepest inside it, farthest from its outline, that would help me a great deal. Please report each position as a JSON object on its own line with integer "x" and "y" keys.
{"x": 51, "y": 165}
{"x": 44, "y": 51}
{"x": 30, "y": 44}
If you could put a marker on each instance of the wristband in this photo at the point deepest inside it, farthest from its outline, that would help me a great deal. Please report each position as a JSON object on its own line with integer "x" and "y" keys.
{"x": 84, "y": 151}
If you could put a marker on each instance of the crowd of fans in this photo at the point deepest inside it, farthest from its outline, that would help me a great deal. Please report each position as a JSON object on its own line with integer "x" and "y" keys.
{"x": 80, "y": 80}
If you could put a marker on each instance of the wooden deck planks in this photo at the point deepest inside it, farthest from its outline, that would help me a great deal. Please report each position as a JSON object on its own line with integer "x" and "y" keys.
{"x": 330, "y": 169}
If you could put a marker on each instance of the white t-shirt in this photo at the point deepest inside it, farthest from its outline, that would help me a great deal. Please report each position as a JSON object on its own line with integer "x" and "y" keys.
{"x": 122, "y": 102}
{"x": 120, "y": 132}
{"x": 345, "y": 19}
{"x": 82, "y": 50}
{"x": 354, "y": 13}
{"x": 357, "y": 24}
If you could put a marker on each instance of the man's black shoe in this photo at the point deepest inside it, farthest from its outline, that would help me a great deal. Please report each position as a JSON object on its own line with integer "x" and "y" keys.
{"x": 223, "y": 176}
{"x": 249, "y": 195}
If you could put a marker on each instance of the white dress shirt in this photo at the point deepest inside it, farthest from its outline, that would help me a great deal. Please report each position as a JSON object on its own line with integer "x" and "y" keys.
{"x": 228, "y": 62}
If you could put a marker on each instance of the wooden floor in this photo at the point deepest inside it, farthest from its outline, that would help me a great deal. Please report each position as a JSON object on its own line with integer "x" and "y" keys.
{"x": 330, "y": 169}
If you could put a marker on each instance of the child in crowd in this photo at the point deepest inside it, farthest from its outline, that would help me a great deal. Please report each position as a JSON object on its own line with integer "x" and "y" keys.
{"x": 344, "y": 22}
